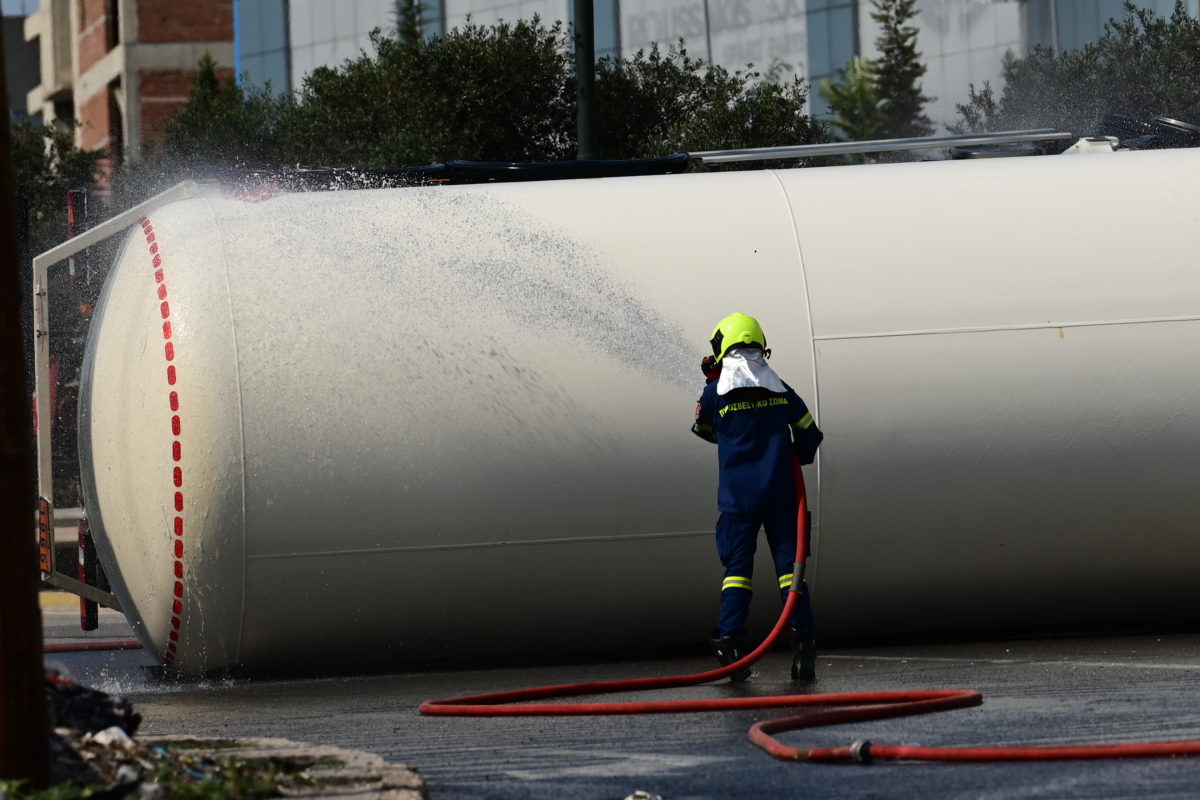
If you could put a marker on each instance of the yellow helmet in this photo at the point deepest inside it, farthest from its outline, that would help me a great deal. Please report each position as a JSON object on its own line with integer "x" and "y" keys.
{"x": 734, "y": 330}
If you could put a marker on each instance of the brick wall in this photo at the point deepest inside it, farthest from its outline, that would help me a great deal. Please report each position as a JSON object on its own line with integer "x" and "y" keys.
{"x": 159, "y": 94}
{"x": 95, "y": 120}
{"x": 94, "y": 33}
{"x": 190, "y": 21}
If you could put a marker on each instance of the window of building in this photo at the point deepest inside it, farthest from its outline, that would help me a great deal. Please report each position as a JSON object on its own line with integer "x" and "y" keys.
{"x": 116, "y": 123}
{"x": 260, "y": 43}
{"x": 433, "y": 18}
{"x": 1070, "y": 24}
{"x": 832, "y": 43}
{"x": 112, "y": 25}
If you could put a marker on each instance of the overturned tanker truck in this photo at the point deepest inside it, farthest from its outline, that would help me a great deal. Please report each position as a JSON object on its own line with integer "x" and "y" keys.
{"x": 366, "y": 427}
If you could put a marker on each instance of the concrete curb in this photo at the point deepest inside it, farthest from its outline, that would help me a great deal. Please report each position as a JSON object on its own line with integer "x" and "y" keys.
{"x": 336, "y": 773}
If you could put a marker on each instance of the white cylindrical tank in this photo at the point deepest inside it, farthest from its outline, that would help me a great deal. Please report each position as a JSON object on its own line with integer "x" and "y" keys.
{"x": 374, "y": 426}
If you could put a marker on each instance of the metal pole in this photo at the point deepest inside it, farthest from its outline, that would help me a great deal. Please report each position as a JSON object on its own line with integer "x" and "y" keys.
{"x": 708, "y": 33}
{"x": 878, "y": 146}
{"x": 24, "y": 746}
{"x": 1054, "y": 26}
{"x": 585, "y": 74}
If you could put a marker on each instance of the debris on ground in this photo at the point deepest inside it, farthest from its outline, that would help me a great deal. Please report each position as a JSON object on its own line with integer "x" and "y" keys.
{"x": 87, "y": 710}
{"x": 95, "y": 756}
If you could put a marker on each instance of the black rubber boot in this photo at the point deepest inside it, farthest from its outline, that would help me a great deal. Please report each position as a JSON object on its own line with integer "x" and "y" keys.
{"x": 728, "y": 650}
{"x": 804, "y": 655}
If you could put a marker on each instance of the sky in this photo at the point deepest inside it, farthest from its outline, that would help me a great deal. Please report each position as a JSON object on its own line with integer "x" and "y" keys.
{"x": 19, "y": 8}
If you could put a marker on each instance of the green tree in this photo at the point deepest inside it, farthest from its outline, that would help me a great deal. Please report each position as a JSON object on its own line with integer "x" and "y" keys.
{"x": 500, "y": 93}
{"x": 981, "y": 112}
{"x": 226, "y": 125}
{"x": 486, "y": 94}
{"x": 1143, "y": 64}
{"x": 46, "y": 164}
{"x": 657, "y": 103}
{"x": 408, "y": 20}
{"x": 882, "y": 98}
{"x": 899, "y": 70}
{"x": 855, "y": 101}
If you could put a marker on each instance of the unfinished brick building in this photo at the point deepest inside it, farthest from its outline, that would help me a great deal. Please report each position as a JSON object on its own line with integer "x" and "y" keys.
{"x": 122, "y": 68}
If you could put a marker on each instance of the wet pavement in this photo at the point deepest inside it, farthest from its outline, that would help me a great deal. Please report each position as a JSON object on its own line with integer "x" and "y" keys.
{"x": 1069, "y": 690}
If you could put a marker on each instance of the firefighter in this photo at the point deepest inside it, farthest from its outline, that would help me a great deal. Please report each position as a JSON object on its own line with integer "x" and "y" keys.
{"x": 757, "y": 422}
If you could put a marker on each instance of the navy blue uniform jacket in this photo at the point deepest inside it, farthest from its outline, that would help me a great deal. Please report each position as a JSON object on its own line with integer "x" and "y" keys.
{"x": 756, "y": 432}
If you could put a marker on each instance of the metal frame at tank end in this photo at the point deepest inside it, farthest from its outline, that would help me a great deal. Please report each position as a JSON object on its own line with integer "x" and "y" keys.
{"x": 41, "y": 365}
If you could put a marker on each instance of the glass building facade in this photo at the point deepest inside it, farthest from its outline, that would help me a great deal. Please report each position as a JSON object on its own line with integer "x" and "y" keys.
{"x": 832, "y": 43}
{"x": 261, "y": 44}
{"x": 1070, "y": 24}
{"x": 607, "y": 26}
{"x": 433, "y": 17}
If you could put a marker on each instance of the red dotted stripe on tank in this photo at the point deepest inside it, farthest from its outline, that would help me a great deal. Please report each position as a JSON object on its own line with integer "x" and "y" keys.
{"x": 164, "y": 309}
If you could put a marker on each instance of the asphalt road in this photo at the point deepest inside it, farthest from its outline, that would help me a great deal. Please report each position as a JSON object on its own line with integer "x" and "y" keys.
{"x": 1038, "y": 691}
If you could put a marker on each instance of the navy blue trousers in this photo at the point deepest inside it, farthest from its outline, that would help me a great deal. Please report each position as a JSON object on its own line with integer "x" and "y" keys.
{"x": 737, "y": 539}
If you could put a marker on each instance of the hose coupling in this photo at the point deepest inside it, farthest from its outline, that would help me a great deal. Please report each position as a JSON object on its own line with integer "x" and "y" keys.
{"x": 797, "y": 576}
{"x": 860, "y": 751}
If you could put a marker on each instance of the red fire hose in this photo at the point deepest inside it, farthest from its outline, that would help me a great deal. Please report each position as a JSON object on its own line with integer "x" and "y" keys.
{"x": 833, "y": 708}
{"x": 83, "y": 647}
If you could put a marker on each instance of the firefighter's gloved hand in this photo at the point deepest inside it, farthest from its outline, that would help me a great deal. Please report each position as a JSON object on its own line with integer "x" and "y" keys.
{"x": 711, "y": 368}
